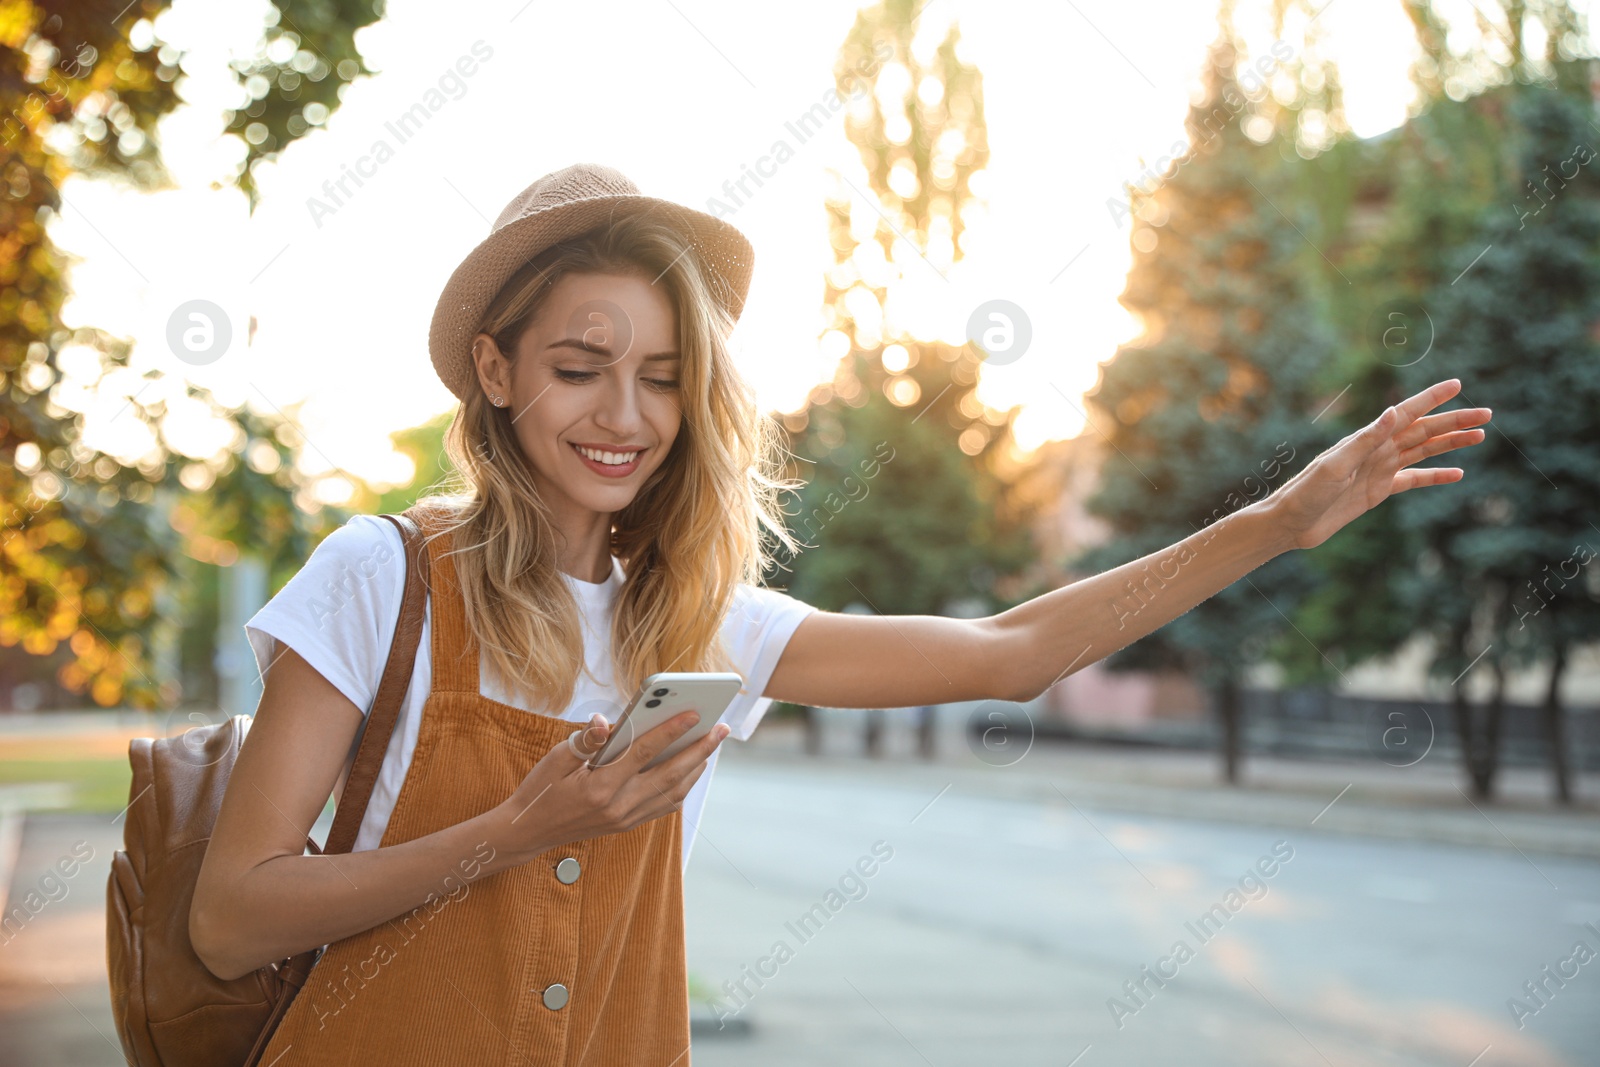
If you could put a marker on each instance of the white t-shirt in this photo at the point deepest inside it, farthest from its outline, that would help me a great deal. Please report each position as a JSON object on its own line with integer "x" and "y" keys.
{"x": 339, "y": 612}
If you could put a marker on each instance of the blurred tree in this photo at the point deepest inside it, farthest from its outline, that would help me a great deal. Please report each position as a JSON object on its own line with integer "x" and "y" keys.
{"x": 87, "y": 537}
{"x": 1489, "y": 46}
{"x": 896, "y": 515}
{"x": 1470, "y": 570}
{"x": 1397, "y": 208}
{"x": 305, "y": 60}
{"x": 1210, "y": 409}
{"x": 424, "y": 446}
{"x": 1510, "y": 580}
{"x": 900, "y": 424}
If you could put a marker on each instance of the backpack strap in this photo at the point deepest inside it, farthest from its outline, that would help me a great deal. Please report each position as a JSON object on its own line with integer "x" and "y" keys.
{"x": 385, "y": 711}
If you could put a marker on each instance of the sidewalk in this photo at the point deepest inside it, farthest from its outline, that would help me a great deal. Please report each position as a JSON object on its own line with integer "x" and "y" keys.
{"x": 1424, "y": 802}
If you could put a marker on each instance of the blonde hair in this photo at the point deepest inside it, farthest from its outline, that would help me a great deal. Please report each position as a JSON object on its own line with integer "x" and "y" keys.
{"x": 693, "y": 532}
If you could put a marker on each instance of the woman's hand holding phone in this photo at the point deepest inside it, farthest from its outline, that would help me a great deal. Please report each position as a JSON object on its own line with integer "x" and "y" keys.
{"x": 564, "y": 799}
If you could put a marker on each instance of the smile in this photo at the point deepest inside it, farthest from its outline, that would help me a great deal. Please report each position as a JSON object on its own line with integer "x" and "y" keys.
{"x": 610, "y": 464}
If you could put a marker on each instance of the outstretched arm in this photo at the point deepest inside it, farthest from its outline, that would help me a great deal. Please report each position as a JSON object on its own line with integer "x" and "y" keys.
{"x": 876, "y": 661}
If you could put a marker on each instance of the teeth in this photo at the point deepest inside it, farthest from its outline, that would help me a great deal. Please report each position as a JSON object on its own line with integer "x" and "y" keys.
{"x": 615, "y": 459}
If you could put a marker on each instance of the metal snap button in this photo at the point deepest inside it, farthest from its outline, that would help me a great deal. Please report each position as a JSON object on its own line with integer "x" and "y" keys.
{"x": 555, "y": 996}
{"x": 567, "y": 871}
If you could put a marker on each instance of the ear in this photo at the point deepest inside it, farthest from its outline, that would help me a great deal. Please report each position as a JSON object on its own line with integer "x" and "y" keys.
{"x": 494, "y": 370}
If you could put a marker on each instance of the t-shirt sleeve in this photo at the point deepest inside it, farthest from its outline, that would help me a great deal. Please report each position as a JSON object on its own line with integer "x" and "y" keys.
{"x": 340, "y": 610}
{"x": 757, "y": 628}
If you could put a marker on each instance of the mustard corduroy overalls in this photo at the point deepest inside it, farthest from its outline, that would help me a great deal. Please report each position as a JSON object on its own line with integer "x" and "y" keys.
{"x": 574, "y": 958}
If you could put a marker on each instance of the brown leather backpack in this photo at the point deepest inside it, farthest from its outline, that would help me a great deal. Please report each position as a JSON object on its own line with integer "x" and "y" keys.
{"x": 170, "y": 1010}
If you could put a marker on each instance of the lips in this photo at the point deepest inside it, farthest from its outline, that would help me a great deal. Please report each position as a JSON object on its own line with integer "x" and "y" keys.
{"x": 596, "y": 460}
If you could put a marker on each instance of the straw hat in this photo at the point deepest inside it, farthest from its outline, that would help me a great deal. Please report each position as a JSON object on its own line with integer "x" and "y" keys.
{"x": 557, "y": 206}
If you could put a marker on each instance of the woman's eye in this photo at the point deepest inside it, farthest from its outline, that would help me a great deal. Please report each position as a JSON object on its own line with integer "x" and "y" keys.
{"x": 589, "y": 375}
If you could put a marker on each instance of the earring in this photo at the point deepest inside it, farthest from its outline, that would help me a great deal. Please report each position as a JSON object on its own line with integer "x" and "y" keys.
{"x": 495, "y": 400}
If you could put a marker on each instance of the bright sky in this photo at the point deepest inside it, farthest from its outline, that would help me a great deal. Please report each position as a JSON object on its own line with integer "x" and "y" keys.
{"x": 679, "y": 95}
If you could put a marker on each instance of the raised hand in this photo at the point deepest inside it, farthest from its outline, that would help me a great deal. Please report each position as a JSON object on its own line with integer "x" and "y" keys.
{"x": 1374, "y": 463}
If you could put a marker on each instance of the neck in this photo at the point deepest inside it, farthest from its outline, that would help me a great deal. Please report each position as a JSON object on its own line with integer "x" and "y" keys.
{"x": 584, "y": 545}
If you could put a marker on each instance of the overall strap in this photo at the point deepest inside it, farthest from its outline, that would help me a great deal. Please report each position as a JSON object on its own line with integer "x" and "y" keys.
{"x": 392, "y": 688}
{"x": 455, "y": 646}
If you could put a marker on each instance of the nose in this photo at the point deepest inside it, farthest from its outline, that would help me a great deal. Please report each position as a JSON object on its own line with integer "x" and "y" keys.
{"x": 619, "y": 407}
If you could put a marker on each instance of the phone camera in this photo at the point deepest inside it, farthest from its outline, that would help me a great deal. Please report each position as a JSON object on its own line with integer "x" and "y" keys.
{"x": 653, "y": 703}
{"x": 659, "y": 693}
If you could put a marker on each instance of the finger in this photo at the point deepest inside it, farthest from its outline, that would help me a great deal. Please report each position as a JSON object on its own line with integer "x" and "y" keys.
{"x": 1414, "y": 407}
{"x": 686, "y": 784}
{"x": 1422, "y": 476}
{"x": 669, "y": 795}
{"x": 1383, "y": 426}
{"x": 640, "y": 750}
{"x": 684, "y": 762}
{"x": 586, "y": 743}
{"x": 1444, "y": 422}
{"x": 1438, "y": 445}
{"x": 1355, "y": 451}
{"x": 673, "y": 778}
{"x": 656, "y": 741}
{"x": 659, "y": 802}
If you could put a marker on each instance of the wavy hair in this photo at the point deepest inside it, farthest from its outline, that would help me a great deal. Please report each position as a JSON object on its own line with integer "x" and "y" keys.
{"x": 690, "y": 536}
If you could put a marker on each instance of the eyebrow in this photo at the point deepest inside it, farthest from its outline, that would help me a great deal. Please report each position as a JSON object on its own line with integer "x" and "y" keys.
{"x": 602, "y": 350}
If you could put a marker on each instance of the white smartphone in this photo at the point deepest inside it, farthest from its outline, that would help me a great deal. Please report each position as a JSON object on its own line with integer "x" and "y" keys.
{"x": 660, "y": 698}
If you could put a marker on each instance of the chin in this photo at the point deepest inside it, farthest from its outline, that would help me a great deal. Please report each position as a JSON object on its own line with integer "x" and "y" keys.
{"x": 606, "y": 500}
{"x": 611, "y": 502}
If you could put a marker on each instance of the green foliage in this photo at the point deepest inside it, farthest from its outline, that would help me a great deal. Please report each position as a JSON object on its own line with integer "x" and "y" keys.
{"x": 1413, "y": 198}
{"x": 905, "y": 508}
{"x": 99, "y": 786}
{"x": 893, "y": 514}
{"x": 1521, "y": 328}
{"x": 943, "y": 175}
{"x": 89, "y": 540}
{"x": 298, "y": 75}
{"x": 1464, "y": 244}
{"x": 424, "y": 446}
{"x": 1212, "y": 407}
{"x": 1471, "y": 566}
{"x": 1480, "y": 218}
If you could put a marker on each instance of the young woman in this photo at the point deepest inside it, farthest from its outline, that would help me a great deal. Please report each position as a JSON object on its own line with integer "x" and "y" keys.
{"x": 504, "y": 901}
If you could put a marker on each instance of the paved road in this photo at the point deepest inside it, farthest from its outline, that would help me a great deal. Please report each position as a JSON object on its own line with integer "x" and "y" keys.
{"x": 55, "y": 1006}
{"x": 1000, "y": 928}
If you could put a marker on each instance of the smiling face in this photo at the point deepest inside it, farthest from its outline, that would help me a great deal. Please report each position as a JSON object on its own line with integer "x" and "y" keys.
{"x": 592, "y": 391}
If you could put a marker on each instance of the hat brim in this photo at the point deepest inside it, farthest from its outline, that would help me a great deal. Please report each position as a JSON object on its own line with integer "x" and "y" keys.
{"x": 458, "y": 316}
